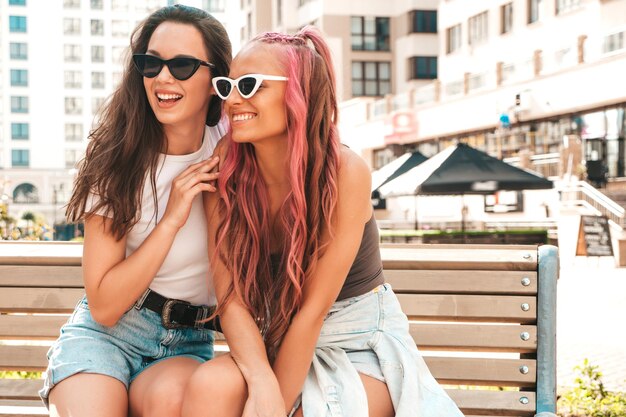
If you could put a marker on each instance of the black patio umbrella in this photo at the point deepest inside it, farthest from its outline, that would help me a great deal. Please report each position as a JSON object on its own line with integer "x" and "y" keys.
{"x": 461, "y": 169}
{"x": 392, "y": 171}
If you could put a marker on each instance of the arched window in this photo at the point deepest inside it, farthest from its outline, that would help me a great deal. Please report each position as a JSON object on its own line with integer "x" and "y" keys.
{"x": 25, "y": 194}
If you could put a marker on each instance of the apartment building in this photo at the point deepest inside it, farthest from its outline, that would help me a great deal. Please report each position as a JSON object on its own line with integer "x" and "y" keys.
{"x": 379, "y": 47}
{"x": 514, "y": 76}
{"x": 59, "y": 61}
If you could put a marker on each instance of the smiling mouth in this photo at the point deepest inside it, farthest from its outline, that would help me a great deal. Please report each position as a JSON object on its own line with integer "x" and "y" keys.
{"x": 168, "y": 98}
{"x": 243, "y": 116}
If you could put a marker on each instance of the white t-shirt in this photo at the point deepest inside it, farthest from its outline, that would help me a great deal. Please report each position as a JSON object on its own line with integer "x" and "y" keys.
{"x": 185, "y": 273}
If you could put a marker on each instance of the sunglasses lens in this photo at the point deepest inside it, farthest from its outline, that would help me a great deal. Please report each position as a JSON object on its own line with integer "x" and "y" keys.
{"x": 183, "y": 68}
{"x": 246, "y": 85}
{"x": 223, "y": 87}
{"x": 148, "y": 66}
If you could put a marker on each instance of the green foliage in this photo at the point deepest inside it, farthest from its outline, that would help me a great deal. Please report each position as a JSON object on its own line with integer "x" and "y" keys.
{"x": 19, "y": 375}
{"x": 589, "y": 398}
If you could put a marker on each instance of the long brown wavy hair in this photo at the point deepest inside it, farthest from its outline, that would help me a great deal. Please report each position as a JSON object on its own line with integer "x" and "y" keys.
{"x": 126, "y": 144}
{"x": 273, "y": 293}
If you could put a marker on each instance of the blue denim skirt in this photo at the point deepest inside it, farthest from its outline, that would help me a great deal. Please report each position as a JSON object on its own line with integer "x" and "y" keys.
{"x": 137, "y": 341}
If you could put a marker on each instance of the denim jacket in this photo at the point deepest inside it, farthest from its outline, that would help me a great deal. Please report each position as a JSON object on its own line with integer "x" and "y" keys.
{"x": 374, "y": 323}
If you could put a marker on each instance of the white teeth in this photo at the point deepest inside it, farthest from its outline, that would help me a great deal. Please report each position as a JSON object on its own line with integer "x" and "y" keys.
{"x": 169, "y": 96}
{"x": 243, "y": 116}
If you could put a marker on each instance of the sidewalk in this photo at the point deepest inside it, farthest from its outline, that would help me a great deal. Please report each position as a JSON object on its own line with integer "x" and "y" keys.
{"x": 591, "y": 314}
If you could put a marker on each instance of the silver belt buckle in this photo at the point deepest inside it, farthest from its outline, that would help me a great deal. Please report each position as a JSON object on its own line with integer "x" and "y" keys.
{"x": 167, "y": 311}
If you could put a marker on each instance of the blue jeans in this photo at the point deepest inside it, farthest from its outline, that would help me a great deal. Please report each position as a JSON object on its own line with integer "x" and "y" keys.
{"x": 137, "y": 341}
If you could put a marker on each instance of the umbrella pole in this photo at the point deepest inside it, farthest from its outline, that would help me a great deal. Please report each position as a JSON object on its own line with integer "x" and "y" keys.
{"x": 415, "y": 206}
{"x": 463, "y": 216}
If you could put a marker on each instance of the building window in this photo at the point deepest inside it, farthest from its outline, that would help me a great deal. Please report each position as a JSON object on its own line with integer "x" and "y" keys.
{"x": 119, "y": 28}
{"x": 97, "y": 79}
{"x": 423, "y": 68}
{"x": 19, "y": 104}
{"x": 565, "y": 5}
{"x": 71, "y": 26}
{"x": 97, "y": 53}
{"x": 371, "y": 78}
{"x": 17, "y": 2}
{"x": 613, "y": 42}
{"x": 20, "y": 131}
{"x": 533, "y": 10}
{"x": 478, "y": 28}
{"x": 19, "y": 50}
{"x": 97, "y": 27}
{"x": 71, "y": 157}
{"x": 119, "y": 5}
{"x": 506, "y": 18}
{"x": 214, "y": 6}
{"x": 19, "y": 77}
{"x": 26, "y": 193}
{"x": 424, "y": 21}
{"x": 96, "y": 104}
{"x": 370, "y": 33}
{"x": 73, "y": 79}
{"x": 73, "y": 105}
{"x": 20, "y": 158}
{"x": 96, "y": 5}
{"x": 73, "y": 132}
{"x": 453, "y": 38}
{"x": 17, "y": 24}
{"x": 71, "y": 4}
{"x": 72, "y": 53}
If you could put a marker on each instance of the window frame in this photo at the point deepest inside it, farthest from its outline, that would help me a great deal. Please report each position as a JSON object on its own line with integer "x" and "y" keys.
{"x": 18, "y": 51}
{"x": 18, "y": 24}
{"x": 22, "y": 162}
{"x": 20, "y": 131}
{"x": 364, "y": 78}
{"x": 19, "y": 77}
{"x": 20, "y": 104}
{"x": 428, "y": 61}
{"x": 506, "y": 18}
{"x": 426, "y": 21}
{"x": 382, "y": 42}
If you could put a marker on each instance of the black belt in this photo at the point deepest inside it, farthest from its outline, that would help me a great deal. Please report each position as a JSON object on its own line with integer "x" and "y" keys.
{"x": 178, "y": 313}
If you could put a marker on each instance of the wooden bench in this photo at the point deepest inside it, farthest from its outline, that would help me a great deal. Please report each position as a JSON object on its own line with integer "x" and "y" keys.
{"x": 484, "y": 317}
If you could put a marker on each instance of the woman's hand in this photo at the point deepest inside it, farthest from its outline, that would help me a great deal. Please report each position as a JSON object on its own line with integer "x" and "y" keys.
{"x": 264, "y": 400}
{"x": 186, "y": 187}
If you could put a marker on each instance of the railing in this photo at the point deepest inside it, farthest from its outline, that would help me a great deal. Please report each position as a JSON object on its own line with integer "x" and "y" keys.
{"x": 581, "y": 192}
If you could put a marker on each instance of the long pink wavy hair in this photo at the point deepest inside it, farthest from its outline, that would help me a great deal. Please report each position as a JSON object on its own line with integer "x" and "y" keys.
{"x": 243, "y": 236}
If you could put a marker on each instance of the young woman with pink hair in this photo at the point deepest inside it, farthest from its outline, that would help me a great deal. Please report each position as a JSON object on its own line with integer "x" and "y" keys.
{"x": 313, "y": 330}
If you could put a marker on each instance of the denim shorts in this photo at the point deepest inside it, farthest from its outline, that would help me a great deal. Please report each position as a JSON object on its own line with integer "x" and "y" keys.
{"x": 137, "y": 341}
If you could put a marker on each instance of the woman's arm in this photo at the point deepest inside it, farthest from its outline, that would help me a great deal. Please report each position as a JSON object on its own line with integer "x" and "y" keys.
{"x": 354, "y": 209}
{"x": 112, "y": 281}
{"x": 244, "y": 339}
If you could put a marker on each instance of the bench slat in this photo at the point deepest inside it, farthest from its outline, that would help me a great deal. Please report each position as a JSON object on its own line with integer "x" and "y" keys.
{"x": 472, "y": 371}
{"x": 25, "y": 392}
{"x": 30, "y": 326}
{"x": 445, "y": 307}
{"x": 41, "y": 276}
{"x": 482, "y": 371}
{"x": 461, "y": 282}
{"x": 428, "y": 336}
{"x": 38, "y": 253}
{"x": 501, "y": 403}
{"x": 474, "y": 337}
{"x": 41, "y": 300}
{"x": 472, "y": 258}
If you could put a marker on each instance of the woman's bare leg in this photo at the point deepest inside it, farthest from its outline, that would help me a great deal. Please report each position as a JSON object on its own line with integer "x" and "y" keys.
{"x": 158, "y": 391}
{"x": 90, "y": 395}
{"x": 378, "y": 398}
{"x": 216, "y": 389}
